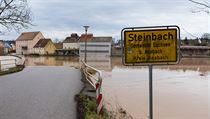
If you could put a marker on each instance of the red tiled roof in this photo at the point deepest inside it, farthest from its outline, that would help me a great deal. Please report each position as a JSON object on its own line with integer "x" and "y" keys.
{"x": 85, "y": 37}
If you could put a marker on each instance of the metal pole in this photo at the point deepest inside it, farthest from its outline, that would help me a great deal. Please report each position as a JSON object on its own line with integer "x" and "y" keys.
{"x": 85, "y": 44}
{"x": 86, "y": 28}
{"x": 150, "y": 93}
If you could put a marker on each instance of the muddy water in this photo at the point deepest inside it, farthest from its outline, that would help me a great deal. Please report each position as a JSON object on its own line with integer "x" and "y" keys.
{"x": 180, "y": 91}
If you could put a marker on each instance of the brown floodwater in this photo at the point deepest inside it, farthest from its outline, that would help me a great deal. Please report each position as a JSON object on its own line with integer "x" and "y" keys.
{"x": 180, "y": 91}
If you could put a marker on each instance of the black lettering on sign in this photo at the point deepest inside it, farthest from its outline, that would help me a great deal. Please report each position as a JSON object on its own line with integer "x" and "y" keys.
{"x": 153, "y": 51}
{"x": 150, "y": 58}
{"x": 157, "y": 58}
{"x": 131, "y": 37}
{"x": 137, "y": 58}
{"x": 144, "y": 45}
{"x": 150, "y": 37}
{"x": 156, "y": 44}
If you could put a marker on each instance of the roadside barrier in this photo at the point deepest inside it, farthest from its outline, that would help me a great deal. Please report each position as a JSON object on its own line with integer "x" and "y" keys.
{"x": 7, "y": 62}
{"x": 93, "y": 77}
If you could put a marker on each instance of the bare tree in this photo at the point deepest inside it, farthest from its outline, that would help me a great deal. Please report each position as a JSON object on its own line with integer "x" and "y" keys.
{"x": 203, "y": 7}
{"x": 14, "y": 14}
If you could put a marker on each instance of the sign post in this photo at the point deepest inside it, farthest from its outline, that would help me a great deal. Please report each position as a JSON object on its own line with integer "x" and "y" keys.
{"x": 158, "y": 45}
{"x": 150, "y": 93}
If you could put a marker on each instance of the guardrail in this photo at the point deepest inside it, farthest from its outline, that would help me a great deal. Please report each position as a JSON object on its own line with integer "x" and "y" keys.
{"x": 7, "y": 62}
{"x": 93, "y": 77}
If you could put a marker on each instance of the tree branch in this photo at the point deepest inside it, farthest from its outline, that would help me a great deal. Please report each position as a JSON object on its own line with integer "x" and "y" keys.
{"x": 6, "y": 5}
{"x": 15, "y": 14}
{"x": 199, "y": 3}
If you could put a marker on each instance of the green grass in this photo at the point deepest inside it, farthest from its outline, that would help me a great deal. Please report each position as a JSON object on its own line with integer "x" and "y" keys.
{"x": 86, "y": 108}
{"x": 12, "y": 70}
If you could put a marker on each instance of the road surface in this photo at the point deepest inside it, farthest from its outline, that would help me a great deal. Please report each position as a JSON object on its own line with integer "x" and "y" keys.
{"x": 40, "y": 93}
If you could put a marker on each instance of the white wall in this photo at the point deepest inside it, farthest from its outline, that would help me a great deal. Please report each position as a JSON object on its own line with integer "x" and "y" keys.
{"x": 19, "y": 45}
{"x": 39, "y": 51}
{"x": 27, "y": 43}
{"x": 96, "y": 48}
{"x": 70, "y": 46}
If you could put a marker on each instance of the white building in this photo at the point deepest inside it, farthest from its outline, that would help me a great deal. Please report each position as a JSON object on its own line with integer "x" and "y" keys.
{"x": 71, "y": 42}
{"x": 26, "y": 41}
{"x": 96, "y": 46}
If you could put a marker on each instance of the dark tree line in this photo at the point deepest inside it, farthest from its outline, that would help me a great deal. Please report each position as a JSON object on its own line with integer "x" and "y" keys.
{"x": 14, "y": 14}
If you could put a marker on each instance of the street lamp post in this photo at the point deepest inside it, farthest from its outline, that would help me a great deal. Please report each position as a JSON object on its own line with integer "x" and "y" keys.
{"x": 86, "y": 28}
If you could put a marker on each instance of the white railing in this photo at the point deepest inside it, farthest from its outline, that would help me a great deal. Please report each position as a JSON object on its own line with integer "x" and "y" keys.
{"x": 92, "y": 74}
{"x": 93, "y": 77}
{"x": 7, "y": 62}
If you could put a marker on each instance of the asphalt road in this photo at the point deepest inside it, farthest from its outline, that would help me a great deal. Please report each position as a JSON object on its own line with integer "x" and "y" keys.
{"x": 40, "y": 93}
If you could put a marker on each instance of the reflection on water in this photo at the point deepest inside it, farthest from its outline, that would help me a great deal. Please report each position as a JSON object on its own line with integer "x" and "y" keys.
{"x": 107, "y": 63}
{"x": 52, "y": 61}
{"x": 101, "y": 63}
{"x": 180, "y": 91}
{"x": 195, "y": 64}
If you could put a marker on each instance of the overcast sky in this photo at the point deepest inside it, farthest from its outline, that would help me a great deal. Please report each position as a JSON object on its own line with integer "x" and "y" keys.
{"x": 60, "y": 18}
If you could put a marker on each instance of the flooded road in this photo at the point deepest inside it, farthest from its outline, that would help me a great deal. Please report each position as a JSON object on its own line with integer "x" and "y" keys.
{"x": 40, "y": 92}
{"x": 180, "y": 91}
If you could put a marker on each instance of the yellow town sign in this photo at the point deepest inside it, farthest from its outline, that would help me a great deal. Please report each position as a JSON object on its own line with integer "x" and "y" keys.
{"x": 151, "y": 45}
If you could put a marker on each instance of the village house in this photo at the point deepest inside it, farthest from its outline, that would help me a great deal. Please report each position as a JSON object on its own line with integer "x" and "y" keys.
{"x": 1, "y": 47}
{"x": 59, "y": 45}
{"x": 44, "y": 47}
{"x": 71, "y": 42}
{"x": 6, "y": 47}
{"x": 9, "y": 47}
{"x": 100, "y": 46}
{"x": 26, "y": 41}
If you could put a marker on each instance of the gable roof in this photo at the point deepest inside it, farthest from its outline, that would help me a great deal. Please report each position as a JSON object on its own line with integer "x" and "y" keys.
{"x": 58, "y": 45}
{"x": 7, "y": 44}
{"x": 42, "y": 43}
{"x": 27, "y": 36}
{"x": 72, "y": 39}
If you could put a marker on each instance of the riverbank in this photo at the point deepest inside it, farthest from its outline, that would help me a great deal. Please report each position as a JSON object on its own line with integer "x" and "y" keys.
{"x": 86, "y": 108}
{"x": 12, "y": 70}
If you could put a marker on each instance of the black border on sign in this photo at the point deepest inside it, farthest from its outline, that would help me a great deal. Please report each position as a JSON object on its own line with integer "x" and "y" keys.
{"x": 152, "y": 28}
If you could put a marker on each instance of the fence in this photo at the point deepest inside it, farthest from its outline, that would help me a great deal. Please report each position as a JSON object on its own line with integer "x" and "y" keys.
{"x": 93, "y": 77}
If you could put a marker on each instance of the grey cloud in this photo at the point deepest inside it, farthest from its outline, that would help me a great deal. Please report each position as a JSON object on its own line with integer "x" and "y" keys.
{"x": 110, "y": 16}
